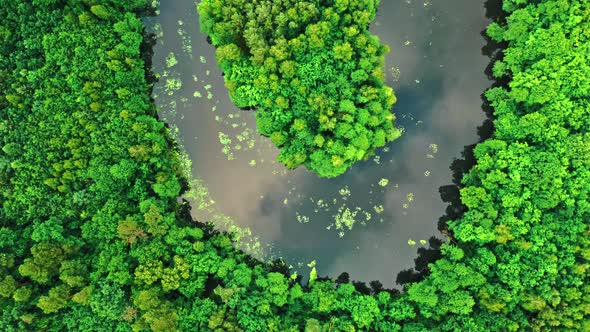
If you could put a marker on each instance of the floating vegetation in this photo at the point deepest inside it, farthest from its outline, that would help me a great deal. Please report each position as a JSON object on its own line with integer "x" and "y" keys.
{"x": 344, "y": 192}
{"x": 383, "y": 182}
{"x": 200, "y": 194}
{"x": 226, "y": 150}
{"x": 395, "y": 73}
{"x": 187, "y": 46}
{"x": 301, "y": 218}
{"x": 413, "y": 243}
{"x": 156, "y": 5}
{"x": 172, "y": 107}
{"x": 158, "y": 31}
{"x": 202, "y": 59}
{"x": 433, "y": 148}
{"x": 172, "y": 85}
{"x": 224, "y": 139}
{"x": 321, "y": 204}
{"x": 379, "y": 208}
{"x": 410, "y": 199}
{"x": 346, "y": 218}
{"x": 171, "y": 60}
{"x": 427, "y": 173}
{"x": 226, "y": 142}
{"x": 244, "y": 135}
{"x": 251, "y": 144}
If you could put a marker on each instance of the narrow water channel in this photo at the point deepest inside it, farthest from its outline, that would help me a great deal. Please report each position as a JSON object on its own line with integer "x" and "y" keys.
{"x": 437, "y": 71}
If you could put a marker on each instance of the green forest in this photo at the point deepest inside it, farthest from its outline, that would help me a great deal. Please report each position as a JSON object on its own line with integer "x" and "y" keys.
{"x": 93, "y": 237}
{"x": 313, "y": 72}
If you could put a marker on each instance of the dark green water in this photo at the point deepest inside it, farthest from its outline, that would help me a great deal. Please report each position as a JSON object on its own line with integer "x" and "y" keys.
{"x": 437, "y": 71}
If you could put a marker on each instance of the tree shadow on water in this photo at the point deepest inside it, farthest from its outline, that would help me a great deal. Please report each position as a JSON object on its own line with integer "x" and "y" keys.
{"x": 459, "y": 167}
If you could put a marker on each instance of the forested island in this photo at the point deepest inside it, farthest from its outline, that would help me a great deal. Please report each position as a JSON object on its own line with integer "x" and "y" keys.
{"x": 313, "y": 72}
{"x": 93, "y": 238}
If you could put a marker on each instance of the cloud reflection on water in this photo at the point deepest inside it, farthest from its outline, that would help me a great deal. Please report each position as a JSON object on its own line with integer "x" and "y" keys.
{"x": 444, "y": 98}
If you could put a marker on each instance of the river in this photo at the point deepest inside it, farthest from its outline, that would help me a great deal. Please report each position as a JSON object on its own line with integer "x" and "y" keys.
{"x": 436, "y": 68}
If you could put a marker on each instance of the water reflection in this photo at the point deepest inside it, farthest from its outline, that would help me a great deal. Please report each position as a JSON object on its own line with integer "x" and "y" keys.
{"x": 437, "y": 71}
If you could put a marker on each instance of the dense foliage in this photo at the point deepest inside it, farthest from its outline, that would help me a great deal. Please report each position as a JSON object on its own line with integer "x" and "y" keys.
{"x": 88, "y": 177}
{"x": 92, "y": 237}
{"x": 312, "y": 71}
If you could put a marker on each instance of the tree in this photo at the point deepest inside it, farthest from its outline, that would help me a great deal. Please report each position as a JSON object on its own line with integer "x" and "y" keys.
{"x": 101, "y": 11}
{"x": 289, "y": 73}
{"x": 55, "y": 300}
{"x": 44, "y": 264}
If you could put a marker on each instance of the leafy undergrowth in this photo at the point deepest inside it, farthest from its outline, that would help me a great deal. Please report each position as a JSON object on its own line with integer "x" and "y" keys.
{"x": 92, "y": 237}
{"x": 313, "y": 72}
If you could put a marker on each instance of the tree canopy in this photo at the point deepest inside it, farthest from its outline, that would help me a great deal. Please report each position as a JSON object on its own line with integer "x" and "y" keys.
{"x": 92, "y": 237}
{"x": 313, "y": 72}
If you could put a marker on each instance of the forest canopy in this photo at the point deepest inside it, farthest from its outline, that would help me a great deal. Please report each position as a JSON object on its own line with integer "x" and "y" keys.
{"x": 313, "y": 72}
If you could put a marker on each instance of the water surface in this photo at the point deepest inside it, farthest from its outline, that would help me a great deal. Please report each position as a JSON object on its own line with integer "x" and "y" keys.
{"x": 437, "y": 71}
